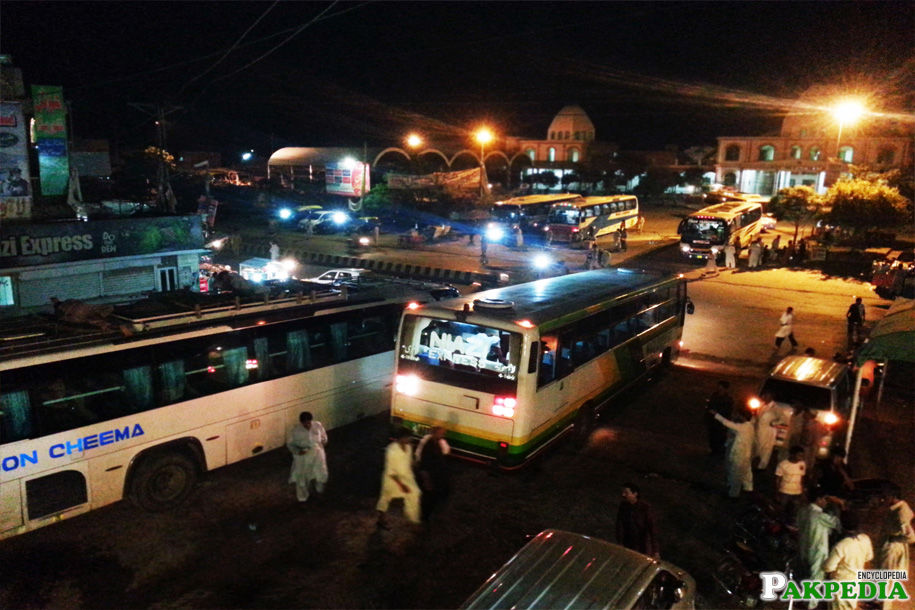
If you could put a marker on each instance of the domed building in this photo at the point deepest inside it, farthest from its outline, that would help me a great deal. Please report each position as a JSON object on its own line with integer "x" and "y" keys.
{"x": 813, "y": 148}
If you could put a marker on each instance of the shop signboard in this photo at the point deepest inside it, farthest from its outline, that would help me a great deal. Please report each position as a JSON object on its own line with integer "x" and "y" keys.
{"x": 347, "y": 179}
{"x": 15, "y": 189}
{"x": 51, "y": 138}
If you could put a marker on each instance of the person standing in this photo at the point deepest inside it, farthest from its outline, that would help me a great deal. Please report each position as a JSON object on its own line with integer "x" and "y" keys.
{"x": 376, "y": 233}
{"x": 849, "y": 555}
{"x": 786, "y": 329}
{"x": 855, "y": 319}
{"x": 398, "y": 481}
{"x": 274, "y": 251}
{"x": 730, "y": 256}
{"x": 484, "y": 246}
{"x": 815, "y": 525}
{"x": 898, "y": 533}
{"x": 776, "y": 243}
{"x": 635, "y": 527}
{"x": 789, "y": 479}
{"x": 434, "y": 473}
{"x": 722, "y": 403}
{"x": 624, "y": 235}
{"x": 306, "y": 442}
{"x": 768, "y": 419}
{"x": 755, "y": 254}
{"x": 740, "y": 456}
{"x": 519, "y": 237}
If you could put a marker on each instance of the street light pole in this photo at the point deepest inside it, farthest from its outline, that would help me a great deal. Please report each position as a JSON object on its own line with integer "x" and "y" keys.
{"x": 483, "y": 136}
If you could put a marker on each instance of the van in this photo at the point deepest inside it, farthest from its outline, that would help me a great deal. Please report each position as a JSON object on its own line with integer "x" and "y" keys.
{"x": 805, "y": 382}
{"x": 560, "y": 569}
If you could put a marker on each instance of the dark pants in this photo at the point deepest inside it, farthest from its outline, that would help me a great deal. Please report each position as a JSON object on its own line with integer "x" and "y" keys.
{"x": 717, "y": 436}
{"x": 778, "y": 340}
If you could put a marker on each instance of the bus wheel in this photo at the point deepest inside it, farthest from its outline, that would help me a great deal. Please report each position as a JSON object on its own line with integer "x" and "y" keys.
{"x": 163, "y": 481}
{"x": 584, "y": 423}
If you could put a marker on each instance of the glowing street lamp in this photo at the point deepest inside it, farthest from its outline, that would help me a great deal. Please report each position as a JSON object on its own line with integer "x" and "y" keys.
{"x": 414, "y": 141}
{"x": 484, "y": 136}
{"x": 846, "y": 112}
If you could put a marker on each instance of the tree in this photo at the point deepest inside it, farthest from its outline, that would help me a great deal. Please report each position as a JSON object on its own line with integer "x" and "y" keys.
{"x": 698, "y": 154}
{"x": 569, "y": 179}
{"x": 797, "y": 204}
{"x": 547, "y": 179}
{"x": 656, "y": 181}
{"x": 864, "y": 204}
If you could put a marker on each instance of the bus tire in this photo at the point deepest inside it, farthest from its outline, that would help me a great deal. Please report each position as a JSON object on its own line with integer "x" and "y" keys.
{"x": 163, "y": 481}
{"x": 584, "y": 423}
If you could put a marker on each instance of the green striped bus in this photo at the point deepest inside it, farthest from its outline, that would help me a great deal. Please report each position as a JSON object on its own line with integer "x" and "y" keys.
{"x": 510, "y": 370}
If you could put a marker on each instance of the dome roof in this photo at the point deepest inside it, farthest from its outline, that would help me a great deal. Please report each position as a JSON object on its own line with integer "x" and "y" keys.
{"x": 571, "y": 119}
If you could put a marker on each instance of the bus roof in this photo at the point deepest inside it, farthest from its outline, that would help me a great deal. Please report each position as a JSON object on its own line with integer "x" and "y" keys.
{"x": 553, "y": 299}
{"x": 728, "y": 209}
{"x": 532, "y": 199}
{"x": 597, "y": 200}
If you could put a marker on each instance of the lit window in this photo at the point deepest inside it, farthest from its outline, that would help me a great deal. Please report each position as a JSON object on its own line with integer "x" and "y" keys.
{"x": 846, "y": 153}
{"x": 573, "y": 155}
{"x": 795, "y": 152}
{"x": 531, "y": 153}
{"x": 6, "y": 290}
{"x": 767, "y": 153}
{"x": 732, "y": 153}
{"x": 551, "y": 154}
{"x": 815, "y": 153}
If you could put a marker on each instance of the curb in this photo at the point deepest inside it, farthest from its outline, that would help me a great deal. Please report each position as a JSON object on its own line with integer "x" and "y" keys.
{"x": 388, "y": 267}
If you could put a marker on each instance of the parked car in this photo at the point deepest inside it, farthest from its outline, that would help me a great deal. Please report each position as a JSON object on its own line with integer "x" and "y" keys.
{"x": 335, "y": 277}
{"x": 768, "y": 222}
{"x": 564, "y": 570}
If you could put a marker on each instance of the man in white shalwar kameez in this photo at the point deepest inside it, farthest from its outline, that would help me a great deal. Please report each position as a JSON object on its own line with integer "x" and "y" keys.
{"x": 768, "y": 418}
{"x": 398, "y": 480}
{"x": 306, "y": 442}
{"x": 814, "y": 526}
{"x": 849, "y": 555}
{"x": 740, "y": 455}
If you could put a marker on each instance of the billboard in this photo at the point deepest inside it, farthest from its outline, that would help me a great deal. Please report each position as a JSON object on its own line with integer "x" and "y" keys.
{"x": 51, "y": 138}
{"x": 348, "y": 179}
{"x": 15, "y": 188}
{"x": 43, "y": 244}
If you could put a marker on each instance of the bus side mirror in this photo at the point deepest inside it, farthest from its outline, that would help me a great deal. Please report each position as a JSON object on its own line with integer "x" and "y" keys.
{"x": 690, "y": 308}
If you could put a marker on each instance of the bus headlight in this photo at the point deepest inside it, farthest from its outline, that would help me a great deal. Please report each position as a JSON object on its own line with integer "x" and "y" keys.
{"x": 284, "y": 214}
{"x": 407, "y": 384}
{"x": 715, "y": 249}
{"x": 754, "y": 403}
{"x": 830, "y": 419}
{"x": 494, "y": 233}
{"x": 504, "y": 406}
{"x": 542, "y": 261}
{"x": 685, "y": 248}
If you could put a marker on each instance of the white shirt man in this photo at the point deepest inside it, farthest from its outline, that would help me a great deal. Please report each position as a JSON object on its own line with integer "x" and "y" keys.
{"x": 740, "y": 457}
{"x": 306, "y": 442}
{"x": 847, "y": 557}
{"x": 730, "y": 260}
{"x": 768, "y": 418}
{"x": 814, "y": 526}
{"x": 398, "y": 480}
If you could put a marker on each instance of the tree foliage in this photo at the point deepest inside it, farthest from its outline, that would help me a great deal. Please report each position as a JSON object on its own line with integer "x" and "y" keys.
{"x": 859, "y": 203}
{"x": 796, "y": 204}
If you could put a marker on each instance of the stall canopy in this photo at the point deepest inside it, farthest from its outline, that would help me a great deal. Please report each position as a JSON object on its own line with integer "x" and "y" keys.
{"x": 893, "y": 337}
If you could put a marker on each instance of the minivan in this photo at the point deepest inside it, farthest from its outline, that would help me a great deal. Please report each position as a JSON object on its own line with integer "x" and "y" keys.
{"x": 560, "y": 569}
{"x": 804, "y": 382}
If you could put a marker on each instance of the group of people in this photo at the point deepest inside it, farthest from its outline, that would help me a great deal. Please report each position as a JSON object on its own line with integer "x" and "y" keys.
{"x": 760, "y": 254}
{"x": 421, "y": 479}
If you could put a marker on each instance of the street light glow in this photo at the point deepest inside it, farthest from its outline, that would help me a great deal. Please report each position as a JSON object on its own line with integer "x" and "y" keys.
{"x": 848, "y": 112}
{"x": 414, "y": 141}
{"x": 484, "y": 135}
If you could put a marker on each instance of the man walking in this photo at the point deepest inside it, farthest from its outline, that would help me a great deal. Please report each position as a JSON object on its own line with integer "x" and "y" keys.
{"x": 740, "y": 456}
{"x": 635, "y": 528}
{"x": 768, "y": 418}
{"x": 786, "y": 329}
{"x": 432, "y": 467}
{"x": 306, "y": 442}
{"x": 398, "y": 480}
{"x": 722, "y": 403}
{"x": 755, "y": 254}
{"x": 847, "y": 557}
{"x": 855, "y": 319}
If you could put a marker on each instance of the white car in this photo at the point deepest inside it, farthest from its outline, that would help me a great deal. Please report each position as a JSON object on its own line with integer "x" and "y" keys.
{"x": 334, "y": 277}
{"x": 768, "y": 222}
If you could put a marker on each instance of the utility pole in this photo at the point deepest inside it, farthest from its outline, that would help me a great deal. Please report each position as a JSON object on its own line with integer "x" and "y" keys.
{"x": 164, "y": 196}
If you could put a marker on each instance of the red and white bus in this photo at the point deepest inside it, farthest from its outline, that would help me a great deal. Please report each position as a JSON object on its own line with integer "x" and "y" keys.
{"x": 591, "y": 217}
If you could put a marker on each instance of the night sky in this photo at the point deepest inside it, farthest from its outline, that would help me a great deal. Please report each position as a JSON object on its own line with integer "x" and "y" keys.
{"x": 648, "y": 74}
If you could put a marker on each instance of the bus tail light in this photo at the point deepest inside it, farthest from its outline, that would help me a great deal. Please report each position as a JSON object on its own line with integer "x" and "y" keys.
{"x": 754, "y": 403}
{"x": 830, "y": 419}
{"x": 504, "y": 406}
{"x": 407, "y": 384}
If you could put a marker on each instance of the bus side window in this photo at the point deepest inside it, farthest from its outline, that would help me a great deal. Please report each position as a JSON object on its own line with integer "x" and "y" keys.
{"x": 534, "y": 358}
{"x": 564, "y": 364}
{"x": 15, "y": 416}
{"x": 547, "y": 360}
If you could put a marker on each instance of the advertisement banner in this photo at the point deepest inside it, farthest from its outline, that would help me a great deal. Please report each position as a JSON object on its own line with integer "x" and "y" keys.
{"x": 348, "y": 180}
{"x": 15, "y": 189}
{"x": 37, "y": 244}
{"x": 467, "y": 180}
{"x": 51, "y": 138}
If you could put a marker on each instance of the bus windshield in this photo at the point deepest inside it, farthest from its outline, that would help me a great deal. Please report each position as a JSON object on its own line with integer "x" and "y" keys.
{"x": 713, "y": 230}
{"x": 509, "y": 213}
{"x": 459, "y": 353}
{"x": 563, "y": 215}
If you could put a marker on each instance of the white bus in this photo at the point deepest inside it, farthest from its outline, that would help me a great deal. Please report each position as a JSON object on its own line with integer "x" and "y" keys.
{"x": 88, "y": 417}
{"x": 529, "y": 212}
{"x": 508, "y": 371}
{"x": 592, "y": 217}
{"x": 706, "y": 232}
